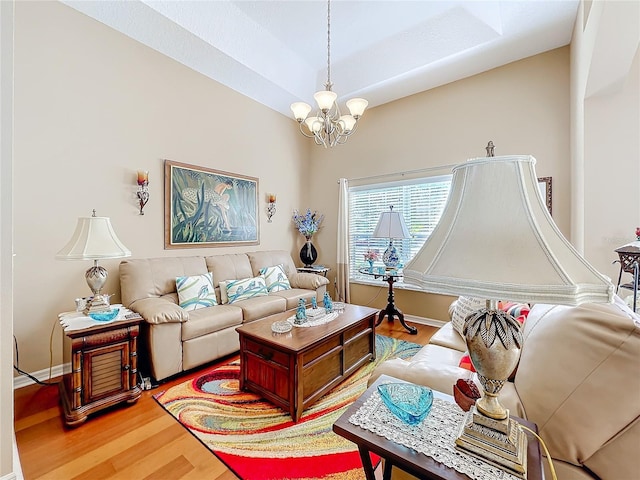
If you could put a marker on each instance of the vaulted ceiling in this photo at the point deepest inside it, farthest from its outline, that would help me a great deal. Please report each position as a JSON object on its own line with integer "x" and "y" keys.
{"x": 275, "y": 52}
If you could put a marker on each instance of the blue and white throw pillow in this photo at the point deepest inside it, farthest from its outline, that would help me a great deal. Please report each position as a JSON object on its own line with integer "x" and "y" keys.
{"x": 196, "y": 291}
{"x": 246, "y": 288}
{"x": 275, "y": 278}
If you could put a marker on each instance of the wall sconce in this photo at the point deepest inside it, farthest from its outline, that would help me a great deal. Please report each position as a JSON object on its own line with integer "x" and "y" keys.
{"x": 271, "y": 206}
{"x": 143, "y": 192}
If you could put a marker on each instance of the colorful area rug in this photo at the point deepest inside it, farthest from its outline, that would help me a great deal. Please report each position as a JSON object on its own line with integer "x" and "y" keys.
{"x": 259, "y": 441}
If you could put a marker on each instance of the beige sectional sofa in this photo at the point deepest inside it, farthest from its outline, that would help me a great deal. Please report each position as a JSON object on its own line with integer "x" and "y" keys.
{"x": 173, "y": 339}
{"x": 578, "y": 380}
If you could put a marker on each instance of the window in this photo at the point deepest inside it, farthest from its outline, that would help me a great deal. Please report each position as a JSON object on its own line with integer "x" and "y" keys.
{"x": 421, "y": 202}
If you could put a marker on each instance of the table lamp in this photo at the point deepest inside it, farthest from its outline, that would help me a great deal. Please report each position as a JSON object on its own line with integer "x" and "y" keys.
{"x": 496, "y": 241}
{"x": 391, "y": 225}
{"x": 94, "y": 239}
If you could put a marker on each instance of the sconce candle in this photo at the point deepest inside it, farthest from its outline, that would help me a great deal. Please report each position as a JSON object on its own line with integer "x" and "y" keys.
{"x": 143, "y": 177}
{"x": 143, "y": 192}
{"x": 271, "y": 206}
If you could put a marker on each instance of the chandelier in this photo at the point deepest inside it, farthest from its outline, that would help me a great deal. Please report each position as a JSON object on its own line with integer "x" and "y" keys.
{"x": 327, "y": 126}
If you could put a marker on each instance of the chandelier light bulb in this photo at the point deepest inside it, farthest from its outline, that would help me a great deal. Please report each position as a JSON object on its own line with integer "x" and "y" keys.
{"x": 314, "y": 124}
{"x": 300, "y": 110}
{"x": 356, "y": 106}
{"x": 347, "y": 122}
{"x": 325, "y": 99}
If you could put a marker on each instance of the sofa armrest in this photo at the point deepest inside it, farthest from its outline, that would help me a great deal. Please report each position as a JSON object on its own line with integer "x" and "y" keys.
{"x": 440, "y": 377}
{"x": 159, "y": 310}
{"x": 309, "y": 281}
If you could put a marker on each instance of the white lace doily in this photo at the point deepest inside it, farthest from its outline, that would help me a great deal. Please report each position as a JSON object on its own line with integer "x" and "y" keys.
{"x": 435, "y": 436}
{"x": 315, "y": 321}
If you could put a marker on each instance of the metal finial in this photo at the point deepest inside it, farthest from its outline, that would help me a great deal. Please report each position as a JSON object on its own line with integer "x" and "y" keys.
{"x": 489, "y": 148}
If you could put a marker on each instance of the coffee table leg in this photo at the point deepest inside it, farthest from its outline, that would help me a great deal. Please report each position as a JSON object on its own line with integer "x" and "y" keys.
{"x": 366, "y": 463}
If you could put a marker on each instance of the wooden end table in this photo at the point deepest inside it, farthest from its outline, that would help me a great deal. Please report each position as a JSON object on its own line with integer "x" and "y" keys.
{"x": 407, "y": 459}
{"x": 292, "y": 370}
{"x": 318, "y": 270}
{"x": 390, "y": 310}
{"x": 104, "y": 368}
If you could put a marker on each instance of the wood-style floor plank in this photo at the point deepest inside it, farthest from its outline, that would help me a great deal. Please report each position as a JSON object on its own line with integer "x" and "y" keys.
{"x": 139, "y": 441}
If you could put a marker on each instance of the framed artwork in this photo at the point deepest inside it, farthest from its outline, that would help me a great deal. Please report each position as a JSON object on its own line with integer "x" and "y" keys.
{"x": 209, "y": 208}
{"x": 544, "y": 184}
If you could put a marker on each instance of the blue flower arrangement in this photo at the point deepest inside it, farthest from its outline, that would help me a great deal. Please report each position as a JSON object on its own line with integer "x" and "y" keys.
{"x": 307, "y": 224}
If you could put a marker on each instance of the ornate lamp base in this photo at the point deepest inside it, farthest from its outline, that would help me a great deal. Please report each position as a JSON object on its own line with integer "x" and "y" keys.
{"x": 98, "y": 304}
{"x": 390, "y": 257}
{"x": 499, "y": 442}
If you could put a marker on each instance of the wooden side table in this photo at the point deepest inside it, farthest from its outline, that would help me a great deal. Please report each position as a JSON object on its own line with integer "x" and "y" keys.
{"x": 629, "y": 263}
{"x": 390, "y": 310}
{"x": 407, "y": 459}
{"x": 104, "y": 368}
{"x": 317, "y": 270}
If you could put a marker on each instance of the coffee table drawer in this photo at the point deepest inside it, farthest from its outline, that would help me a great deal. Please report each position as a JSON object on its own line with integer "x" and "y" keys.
{"x": 270, "y": 379}
{"x": 358, "y": 350}
{"x": 321, "y": 350}
{"x": 267, "y": 353}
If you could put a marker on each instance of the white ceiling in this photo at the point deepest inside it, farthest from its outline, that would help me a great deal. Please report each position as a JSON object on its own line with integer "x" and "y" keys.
{"x": 275, "y": 52}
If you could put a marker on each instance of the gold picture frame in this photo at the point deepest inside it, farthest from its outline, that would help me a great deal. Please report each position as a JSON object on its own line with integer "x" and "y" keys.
{"x": 544, "y": 184}
{"x": 209, "y": 208}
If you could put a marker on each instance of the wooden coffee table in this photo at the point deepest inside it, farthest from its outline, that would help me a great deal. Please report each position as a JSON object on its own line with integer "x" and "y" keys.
{"x": 294, "y": 369}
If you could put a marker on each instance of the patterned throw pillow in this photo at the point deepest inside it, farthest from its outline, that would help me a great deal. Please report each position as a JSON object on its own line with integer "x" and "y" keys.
{"x": 465, "y": 362}
{"x": 246, "y": 288}
{"x": 196, "y": 292}
{"x": 275, "y": 278}
{"x": 462, "y": 308}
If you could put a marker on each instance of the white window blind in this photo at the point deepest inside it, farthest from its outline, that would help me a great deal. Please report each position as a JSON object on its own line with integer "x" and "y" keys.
{"x": 421, "y": 202}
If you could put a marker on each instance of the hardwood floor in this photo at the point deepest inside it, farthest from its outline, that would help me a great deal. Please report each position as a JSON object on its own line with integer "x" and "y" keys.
{"x": 130, "y": 442}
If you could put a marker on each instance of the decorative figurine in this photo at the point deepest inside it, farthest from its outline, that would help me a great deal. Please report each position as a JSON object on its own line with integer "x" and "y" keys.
{"x": 314, "y": 303}
{"x": 328, "y": 304}
{"x": 301, "y": 313}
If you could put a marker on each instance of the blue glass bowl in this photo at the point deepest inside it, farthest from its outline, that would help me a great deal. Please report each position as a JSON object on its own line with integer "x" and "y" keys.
{"x": 105, "y": 317}
{"x": 411, "y": 403}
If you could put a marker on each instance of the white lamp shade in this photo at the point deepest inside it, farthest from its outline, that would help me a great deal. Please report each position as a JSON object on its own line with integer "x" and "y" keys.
{"x": 93, "y": 239}
{"x": 300, "y": 110}
{"x": 314, "y": 124}
{"x": 496, "y": 240}
{"x": 325, "y": 99}
{"x": 356, "y": 106}
{"x": 347, "y": 122}
{"x": 391, "y": 225}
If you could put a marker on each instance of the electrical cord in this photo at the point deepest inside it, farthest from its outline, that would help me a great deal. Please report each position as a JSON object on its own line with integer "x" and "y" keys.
{"x": 16, "y": 367}
{"x": 546, "y": 452}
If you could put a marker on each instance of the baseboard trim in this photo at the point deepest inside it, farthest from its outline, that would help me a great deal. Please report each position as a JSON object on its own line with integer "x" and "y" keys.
{"x": 424, "y": 321}
{"x": 42, "y": 375}
{"x": 16, "y": 474}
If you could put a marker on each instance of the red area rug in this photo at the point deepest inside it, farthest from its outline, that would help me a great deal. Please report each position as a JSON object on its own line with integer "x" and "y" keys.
{"x": 259, "y": 441}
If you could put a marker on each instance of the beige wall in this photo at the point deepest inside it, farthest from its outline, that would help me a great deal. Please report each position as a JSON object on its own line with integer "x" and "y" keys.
{"x": 523, "y": 107}
{"x": 91, "y": 107}
{"x": 8, "y": 466}
{"x": 605, "y": 101}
